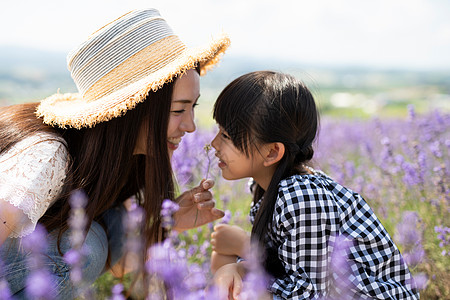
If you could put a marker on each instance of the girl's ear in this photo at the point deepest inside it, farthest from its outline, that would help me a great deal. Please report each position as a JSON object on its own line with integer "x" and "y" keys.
{"x": 275, "y": 153}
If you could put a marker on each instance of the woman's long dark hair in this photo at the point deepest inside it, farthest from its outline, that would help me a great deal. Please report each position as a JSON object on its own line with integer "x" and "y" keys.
{"x": 102, "y": 160}
{"x": 265, "y": 107}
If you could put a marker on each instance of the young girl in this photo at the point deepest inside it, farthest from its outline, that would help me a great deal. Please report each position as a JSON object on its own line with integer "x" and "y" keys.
{"x": 138, "y": 86}
{"x": 301, "y": 217}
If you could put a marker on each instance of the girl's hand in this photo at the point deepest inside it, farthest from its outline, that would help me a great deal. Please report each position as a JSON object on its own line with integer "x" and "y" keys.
{"x": 228, "y": 279}
{"x": 230, "y": 240}
{"x": 196, "y": 207}
{"x": 219, "y": 260}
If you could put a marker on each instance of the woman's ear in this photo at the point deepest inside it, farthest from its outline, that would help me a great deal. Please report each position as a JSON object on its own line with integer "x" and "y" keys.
{"x": 275, "y": 153}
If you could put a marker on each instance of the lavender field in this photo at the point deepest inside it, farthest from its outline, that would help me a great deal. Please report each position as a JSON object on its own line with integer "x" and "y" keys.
{"x": 401, "y": 166}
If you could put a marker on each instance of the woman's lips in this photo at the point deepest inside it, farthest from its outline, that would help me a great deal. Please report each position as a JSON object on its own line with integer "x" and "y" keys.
{"x": 173, "y": 143}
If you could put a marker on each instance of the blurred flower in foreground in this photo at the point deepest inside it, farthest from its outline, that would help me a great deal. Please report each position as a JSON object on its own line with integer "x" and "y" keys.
{"x": 117, "y": 292}
{"x": 409, "y": 236}
{"x": 168, "y": 208}
{"x": 341, "y": 285}
{"x": 76, "y": 256}
{"x": 256, "y": 280}
{"x": 39, "y": 283}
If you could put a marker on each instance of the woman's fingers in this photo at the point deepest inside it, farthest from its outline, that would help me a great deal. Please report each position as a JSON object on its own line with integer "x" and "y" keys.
{"x": 204, "y": 185}
{"x": 202, "y": 196}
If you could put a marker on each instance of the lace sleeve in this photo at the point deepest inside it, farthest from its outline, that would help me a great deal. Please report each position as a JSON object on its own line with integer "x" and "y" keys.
{"x": 32, "y": 174}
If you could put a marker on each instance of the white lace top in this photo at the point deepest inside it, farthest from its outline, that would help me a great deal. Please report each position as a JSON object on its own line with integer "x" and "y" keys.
{"x": 32, "y": 174}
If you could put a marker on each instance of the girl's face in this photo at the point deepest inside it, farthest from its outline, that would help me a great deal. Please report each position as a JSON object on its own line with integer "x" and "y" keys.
{"x": 234, "y": 163}
{"x": 186, "y": 92}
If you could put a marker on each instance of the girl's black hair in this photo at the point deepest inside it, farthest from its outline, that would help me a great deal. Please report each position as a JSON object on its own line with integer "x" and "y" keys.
{"x": 265, "y": 107}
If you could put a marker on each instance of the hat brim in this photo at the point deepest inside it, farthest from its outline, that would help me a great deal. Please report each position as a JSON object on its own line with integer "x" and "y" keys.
{"x": 72, "y": 110}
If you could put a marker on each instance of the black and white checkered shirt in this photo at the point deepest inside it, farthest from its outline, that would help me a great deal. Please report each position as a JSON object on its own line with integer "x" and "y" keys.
{"x": 315, "y": 220}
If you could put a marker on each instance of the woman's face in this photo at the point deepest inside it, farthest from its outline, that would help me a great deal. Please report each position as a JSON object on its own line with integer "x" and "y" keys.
{"x": 186, "y": 92}
{"x": 184, "y": 99}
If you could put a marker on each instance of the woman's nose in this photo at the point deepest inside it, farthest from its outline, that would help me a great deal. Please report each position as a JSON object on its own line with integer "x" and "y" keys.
{"x": 188, "y": 123}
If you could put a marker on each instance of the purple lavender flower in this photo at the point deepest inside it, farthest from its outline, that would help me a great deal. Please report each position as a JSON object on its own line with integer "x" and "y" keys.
{"x": 207, "y": 149}
{"x": 411, "y": 177}
{"x": 5, "y": 292}
{"x": 226, "y": 218}
{"x": 40, "y": 282}
{"x": 167, "y": 265}
{"x": 72, "y": 257}
{"x": 78, "y": 199}
{"x": 415, "y": 256}
{"x": 76, "y": 256}
{"x": 188, "y": 163}
{"x": 444, "y": 237}
{"x": 435, "y": 149}
{"x": 411, "y": 112}
{"x": 168, "y": 208}
{"x": 205, "y": 247}
{"x": 256, "y": 280}
{"x": 192, "y": 249}
{"x": 340, "y": 268}
{"x": 134, "y": 245}
{"x": 39, "y": 285}
{"x": 407, "y": 233}
{"x": 420, "y": 281}
{"x": 117, "y": 292}
{"x": 34, "y": 241}
{"x": 196, "y": 279}
{"x": 350, "y": 169}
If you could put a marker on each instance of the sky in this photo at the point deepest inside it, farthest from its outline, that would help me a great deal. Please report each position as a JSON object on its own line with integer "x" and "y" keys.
{"x": 407, "y": 34}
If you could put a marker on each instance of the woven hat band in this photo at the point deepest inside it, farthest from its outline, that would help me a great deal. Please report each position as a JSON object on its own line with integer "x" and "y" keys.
{"x": 110, "y": 46}
{"x": 147, "y": 61}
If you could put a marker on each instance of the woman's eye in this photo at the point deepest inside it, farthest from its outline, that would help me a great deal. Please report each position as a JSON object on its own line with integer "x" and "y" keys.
{"x": 178, "y": 111}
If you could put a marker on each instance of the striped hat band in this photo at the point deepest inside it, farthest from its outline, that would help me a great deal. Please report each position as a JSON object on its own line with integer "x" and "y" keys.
{"x": 120, "y": 64}
{"x": 111, "y": 46}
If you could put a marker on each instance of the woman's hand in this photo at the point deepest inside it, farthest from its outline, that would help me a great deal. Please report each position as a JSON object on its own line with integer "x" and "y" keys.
{"x": 228, "y": 279}
{"x": 196, "y": 207}
{"x": 230, "y": 240}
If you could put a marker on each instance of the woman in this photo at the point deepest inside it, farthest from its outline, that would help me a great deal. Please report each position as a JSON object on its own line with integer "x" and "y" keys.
{"x": 138, "y": 86}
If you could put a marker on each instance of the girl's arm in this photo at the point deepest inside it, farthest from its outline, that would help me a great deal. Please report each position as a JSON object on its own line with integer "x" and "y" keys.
{"x": 229, "y": 280}
{"x": 230, "y": 240}
{"x": 219, "y": 260}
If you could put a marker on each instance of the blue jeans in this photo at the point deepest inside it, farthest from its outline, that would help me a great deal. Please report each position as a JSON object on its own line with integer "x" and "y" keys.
{"x": 97, "y": 243}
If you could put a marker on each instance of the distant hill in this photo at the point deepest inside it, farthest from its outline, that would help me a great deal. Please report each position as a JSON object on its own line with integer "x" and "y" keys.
{"x": 30, "y": 74}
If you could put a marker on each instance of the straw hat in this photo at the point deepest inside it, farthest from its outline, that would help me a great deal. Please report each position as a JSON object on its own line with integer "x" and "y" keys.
{"x": 118, "y": 65}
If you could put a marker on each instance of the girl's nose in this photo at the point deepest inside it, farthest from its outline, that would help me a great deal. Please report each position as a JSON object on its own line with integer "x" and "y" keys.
{"x": 214, "y": 142}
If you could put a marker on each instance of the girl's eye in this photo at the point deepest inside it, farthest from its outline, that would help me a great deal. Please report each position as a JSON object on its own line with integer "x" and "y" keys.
{"x": 225, "y": 136}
